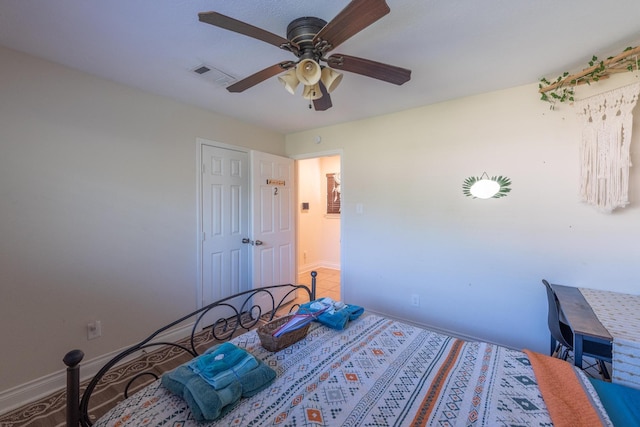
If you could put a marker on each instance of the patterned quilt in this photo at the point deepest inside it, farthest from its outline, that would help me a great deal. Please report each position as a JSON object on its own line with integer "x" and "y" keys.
{"x": 377, "y": 372}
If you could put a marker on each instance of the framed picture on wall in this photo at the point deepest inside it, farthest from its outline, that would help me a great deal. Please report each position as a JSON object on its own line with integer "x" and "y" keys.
{"x": 333, "y": 193}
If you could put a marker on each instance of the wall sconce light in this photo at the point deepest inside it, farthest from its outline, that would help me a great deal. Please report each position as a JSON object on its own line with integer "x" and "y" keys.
{"x": 485, "y": 187}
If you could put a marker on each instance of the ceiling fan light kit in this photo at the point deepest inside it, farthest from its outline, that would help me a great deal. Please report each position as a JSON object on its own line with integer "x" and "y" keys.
{"x": 330, "y": 78}
{"x": 310, "y": 39}
{"x": 308, "y": 72}
{"x": 289, "y": 80}
{"x": 312, "y": 92}
{"x": 293, "y": 77}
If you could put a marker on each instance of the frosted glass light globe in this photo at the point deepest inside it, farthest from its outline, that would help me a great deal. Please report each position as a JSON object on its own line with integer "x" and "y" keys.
{"x": 484, "y": 188}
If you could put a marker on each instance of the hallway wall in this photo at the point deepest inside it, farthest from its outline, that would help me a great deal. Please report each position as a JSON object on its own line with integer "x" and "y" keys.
{"x": 318, "y": 234}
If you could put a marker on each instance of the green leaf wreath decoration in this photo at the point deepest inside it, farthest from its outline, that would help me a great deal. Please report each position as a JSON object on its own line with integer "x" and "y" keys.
{"x": 503, "y": 181}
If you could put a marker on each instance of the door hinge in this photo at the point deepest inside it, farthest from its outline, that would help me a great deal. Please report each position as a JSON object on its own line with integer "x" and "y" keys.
{"x": 204, "y": 236}
{"x": 204, "y": 168}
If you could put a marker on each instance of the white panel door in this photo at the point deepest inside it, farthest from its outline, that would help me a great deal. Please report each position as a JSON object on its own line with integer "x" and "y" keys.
{"x": 225, "y": 223}
{"x": 273, "y": 220}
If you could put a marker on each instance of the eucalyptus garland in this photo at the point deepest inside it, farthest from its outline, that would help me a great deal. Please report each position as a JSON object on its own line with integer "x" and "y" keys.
{"x": 503, "y": 181}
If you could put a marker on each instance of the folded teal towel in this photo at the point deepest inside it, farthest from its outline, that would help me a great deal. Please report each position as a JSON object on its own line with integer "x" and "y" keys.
{"x": 205, "y": 402}
{"x": 223, "y": 364}
{"x": 354, "y": 311}
{"x": 257, "y": 379}
{"x": 217, "y": 359}
{"x": 339, "y": 318}
{"x": 176, "y": 380}
{"x": 224, "y": 378}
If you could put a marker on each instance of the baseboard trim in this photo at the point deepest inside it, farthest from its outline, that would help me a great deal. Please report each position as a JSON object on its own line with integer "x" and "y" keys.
{"x": 42, "y": 387}
{"x": 330, "y": 265}
{"x": 308, "y": 268}
{"x": 436, "y": 329}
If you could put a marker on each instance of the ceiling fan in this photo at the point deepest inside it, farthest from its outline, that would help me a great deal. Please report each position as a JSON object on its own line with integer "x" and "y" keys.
{"x": 310, "y": 39}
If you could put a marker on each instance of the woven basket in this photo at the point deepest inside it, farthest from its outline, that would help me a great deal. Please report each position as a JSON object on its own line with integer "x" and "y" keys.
{"x": 271, "y": 343}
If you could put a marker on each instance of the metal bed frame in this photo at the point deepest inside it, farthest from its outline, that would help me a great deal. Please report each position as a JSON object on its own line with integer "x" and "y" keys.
{"x": 223, "y": 329}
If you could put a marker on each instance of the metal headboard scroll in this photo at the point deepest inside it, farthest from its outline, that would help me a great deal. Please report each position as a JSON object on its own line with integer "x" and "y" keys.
{"x": 224, "y": 328}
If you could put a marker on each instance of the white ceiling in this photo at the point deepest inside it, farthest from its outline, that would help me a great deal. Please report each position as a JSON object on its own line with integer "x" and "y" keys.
{"x": 454, "y": 48}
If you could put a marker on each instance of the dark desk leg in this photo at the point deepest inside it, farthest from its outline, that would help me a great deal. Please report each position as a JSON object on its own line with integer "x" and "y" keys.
{"x": 577, "y": 350}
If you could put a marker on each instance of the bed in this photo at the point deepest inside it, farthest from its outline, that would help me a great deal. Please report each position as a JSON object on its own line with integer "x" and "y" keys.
{"x": 376, "y": 371}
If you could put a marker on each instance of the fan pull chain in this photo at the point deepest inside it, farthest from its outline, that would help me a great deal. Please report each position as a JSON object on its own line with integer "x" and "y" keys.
{"x": 313, "y": 96}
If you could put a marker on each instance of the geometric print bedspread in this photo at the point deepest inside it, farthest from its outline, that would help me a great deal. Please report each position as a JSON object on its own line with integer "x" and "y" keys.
{"x": 377, "y": 372}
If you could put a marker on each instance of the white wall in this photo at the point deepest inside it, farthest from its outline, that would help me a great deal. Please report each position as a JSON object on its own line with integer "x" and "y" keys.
{"x": 97, "y": 211}
{"x": 318, "y": 242}
{"x": 477, "y": 264}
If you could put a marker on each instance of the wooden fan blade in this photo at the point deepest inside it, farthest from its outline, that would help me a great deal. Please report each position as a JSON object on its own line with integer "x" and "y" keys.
{"x": 260, "y": 76}
{"x": 366, "y": 67}
{"x": 324, "y": 103}
{"x": 222, "y": 21}
{"x": 358, "y": 15}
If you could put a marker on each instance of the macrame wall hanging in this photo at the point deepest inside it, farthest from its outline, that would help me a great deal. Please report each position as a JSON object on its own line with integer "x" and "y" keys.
{"x": 605, "y": 147}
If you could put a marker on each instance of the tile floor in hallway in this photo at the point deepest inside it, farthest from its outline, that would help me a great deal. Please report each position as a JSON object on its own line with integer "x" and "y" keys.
{"x": 327, "y": 282}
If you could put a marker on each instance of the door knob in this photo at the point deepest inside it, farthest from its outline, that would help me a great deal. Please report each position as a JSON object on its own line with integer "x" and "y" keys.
{"x": 258, "y": 242}
{"x": 245, "y": 240}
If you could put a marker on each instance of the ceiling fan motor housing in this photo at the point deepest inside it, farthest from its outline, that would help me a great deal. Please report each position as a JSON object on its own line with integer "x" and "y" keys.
{"x": 301, "y": 31}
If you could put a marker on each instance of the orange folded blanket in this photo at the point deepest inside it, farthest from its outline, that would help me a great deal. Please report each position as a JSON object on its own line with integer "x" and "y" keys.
{"x": 563, "y": 392}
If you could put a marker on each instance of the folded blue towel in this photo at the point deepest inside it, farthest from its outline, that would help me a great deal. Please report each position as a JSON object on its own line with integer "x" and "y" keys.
{"x": 205, "y": 402}
{"x": 217, "y": 359}
{"x": 338, "y": 319}
{"x": 223, "y": 364}
{"x": 176, "y": 380}
{"x": 224, "y": 378}
{"x": 354, "y": 311}
{"x": 257, "y": 379}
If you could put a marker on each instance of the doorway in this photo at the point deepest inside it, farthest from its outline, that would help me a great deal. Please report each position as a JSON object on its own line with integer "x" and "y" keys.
{"x": 318, "y": 232}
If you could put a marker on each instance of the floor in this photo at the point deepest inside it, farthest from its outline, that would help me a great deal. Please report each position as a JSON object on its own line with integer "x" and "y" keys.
{"x": 327, "y": 282}
{"x": 590, "y": 367}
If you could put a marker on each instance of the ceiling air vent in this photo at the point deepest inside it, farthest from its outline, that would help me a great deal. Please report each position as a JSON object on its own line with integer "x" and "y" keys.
{"x": 214, "y": 75}
{"x": 201, "y": 70}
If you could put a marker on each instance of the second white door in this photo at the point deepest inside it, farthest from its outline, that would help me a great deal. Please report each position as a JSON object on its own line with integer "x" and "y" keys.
{"x": 273, "y": 216}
